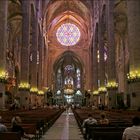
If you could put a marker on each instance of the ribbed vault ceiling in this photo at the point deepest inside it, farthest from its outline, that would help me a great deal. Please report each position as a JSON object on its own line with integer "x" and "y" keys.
{"x": 74, "y": 11}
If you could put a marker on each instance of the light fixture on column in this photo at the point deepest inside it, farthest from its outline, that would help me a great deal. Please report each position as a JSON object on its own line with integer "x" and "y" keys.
{"x": 24, "y": 86}
{"x": 40, "y": 92}
{"x": 96, "y": 92}
{"x": 3, "y": 76}
{"x": 112, "y": 85}
{"x": 33, "y": 90}
{"x": 102, "y": 89}
{"x": 133, "y": 76}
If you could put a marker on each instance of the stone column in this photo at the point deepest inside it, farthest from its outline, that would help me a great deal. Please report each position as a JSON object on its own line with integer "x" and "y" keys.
{"x": 45, "y": 68}
{"x": 133, "y": 9}
{"x": 111, "y": 69}
{"x": 41, "y": 62}
{"x": 33, "y": 61}
{"x": 91, "y": 72}
{"x": 41, "y": 55}
{"x": 41, "y": 51}
{"x": 101, "y": 61}
{"x": 95, "y": 67}
{"x": 24, "y": 69}
{"x": 3, "y": 45}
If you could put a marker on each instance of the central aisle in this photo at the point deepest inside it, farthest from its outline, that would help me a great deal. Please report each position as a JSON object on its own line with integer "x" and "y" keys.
{"x": 65, "y": 128}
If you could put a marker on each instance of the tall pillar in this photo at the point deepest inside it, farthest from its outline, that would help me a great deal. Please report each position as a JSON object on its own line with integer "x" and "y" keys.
{"x": 41, "y": 56}
{"x": 101, "y": 62}
{"x": 3, "y": 45}
{"x": 41, "y": 62}
{"x": 40, "y": 51}
{"x": 111, "y": 70}
{"x": 95, "y": 68}
{"x": 24, "y": 73}
{"x": 91, "y": 72}
{"x": 34, "y": 62}
{"x": 40, "y": 69}
{"x": 133, "y": 9}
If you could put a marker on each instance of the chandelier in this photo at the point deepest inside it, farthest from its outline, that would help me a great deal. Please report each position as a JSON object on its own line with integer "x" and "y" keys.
{"x": 68, "y": 89}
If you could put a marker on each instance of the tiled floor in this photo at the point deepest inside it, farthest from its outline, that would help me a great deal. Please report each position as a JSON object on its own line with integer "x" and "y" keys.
{"x": 65, "y": 128}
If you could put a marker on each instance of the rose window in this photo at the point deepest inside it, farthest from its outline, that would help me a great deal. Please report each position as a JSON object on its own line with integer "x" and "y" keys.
{"x": 68, "y": 34}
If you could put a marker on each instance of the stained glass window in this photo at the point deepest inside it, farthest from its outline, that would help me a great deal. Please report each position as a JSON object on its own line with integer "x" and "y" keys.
{"x": 105, "y": 53}
{"x": 69, "y": 68}
{"x": 98, "y": 56}
{"x": 59, "y": 79}
{"x": 78, "y": 75}
{"x": 68, "y": 80}
{"x": 68, "y": 34}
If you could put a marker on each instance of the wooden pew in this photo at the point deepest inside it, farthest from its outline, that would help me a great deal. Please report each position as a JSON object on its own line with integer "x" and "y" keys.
{"x": 34, "y": 122}
{"x": 104, "y": 132}
{"x": 10, "y": 136}
{"x": 116, "y": 135}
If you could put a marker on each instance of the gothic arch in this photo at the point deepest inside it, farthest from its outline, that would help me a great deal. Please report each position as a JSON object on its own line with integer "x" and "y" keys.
{"x": 68, "y": 58}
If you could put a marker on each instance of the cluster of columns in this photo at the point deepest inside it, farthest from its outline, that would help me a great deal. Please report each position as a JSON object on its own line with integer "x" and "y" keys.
{"x": 109, "y": 97}
{"x": 100, "y": 95}
{"x": 31, "y": 57}
{"x": 31, "y": 52}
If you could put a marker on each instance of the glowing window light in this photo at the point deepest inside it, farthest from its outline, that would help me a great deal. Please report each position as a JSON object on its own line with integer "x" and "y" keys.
{"x": 69, "y": 68}
{"x": 68, "y": 34}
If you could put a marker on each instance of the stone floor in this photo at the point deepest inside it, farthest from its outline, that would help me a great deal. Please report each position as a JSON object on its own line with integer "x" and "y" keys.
{"x": 65, "y": 128}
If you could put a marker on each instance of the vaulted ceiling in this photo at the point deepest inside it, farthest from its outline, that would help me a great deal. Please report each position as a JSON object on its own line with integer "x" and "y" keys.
{"x": 78, "y": 12}
{"x": 59, "y": 7}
